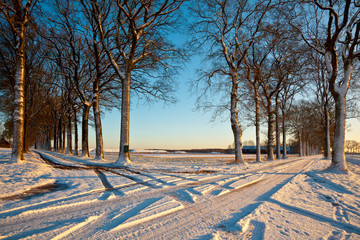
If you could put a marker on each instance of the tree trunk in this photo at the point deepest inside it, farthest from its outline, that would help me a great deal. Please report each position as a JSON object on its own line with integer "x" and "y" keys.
{"x": 98, "y": 129}
{"x": 19, "y": 108}
{"x": 270, "y": 145}
{"x": 327, "y": 153}
{"x": 55, "y": 134}
{"x": 277, "y": 132}
{"x": 284, "y": 156}
{"x": 85, "y": 131}
{"x": 47, "y": 140}
{"x": 69, "y": 133}
{"x": 63, "y": 135}
{"x": 124, "y": 153}
{"x": 76, "y": 134}
{"x": 26, "y": 133}
{"x": 300, "y": 143}
{"x": 338, "y": 159}
{"x": 235, "y": 123}
{"x": 257, "y": 125}
{"x": 60, "y": 135}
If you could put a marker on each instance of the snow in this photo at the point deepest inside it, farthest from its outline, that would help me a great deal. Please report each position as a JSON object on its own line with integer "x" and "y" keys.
{"x": 177, "y": 196}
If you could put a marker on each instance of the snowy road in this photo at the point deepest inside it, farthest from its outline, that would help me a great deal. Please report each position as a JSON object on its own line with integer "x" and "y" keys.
{"x": 151, "y": 205}
{"x": 223, "y": 207}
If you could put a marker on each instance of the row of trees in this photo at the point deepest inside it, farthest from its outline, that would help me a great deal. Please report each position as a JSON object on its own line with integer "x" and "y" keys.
{"x": 352, "y": 146}
{"x": 61, "y": 58}
{"x": 71, "y": 56}
{"x": 264, "y": 52}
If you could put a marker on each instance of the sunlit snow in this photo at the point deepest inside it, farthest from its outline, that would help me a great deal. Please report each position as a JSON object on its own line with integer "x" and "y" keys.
{"x": 177, "y": 196}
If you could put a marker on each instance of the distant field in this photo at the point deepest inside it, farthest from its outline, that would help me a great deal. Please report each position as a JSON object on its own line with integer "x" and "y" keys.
{"x": 170, "y": 159}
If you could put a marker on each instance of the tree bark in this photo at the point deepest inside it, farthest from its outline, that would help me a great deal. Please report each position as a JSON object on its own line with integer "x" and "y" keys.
{"x": 26, "y": 133}
{"x": 277, "y": 132}
{"x": 69, "y": 133}
{"x": 85, "y": 131}
{"x": 124, "y": 153}
{"x": 63, "y": 129}
{"x": 338, "y": 158}
{"x": 300, "y": 143}
{"x": 60, "y": 147}
{"x": 327, "y": 153}
{"x": 284, "y": 156}
{"x": 98, "y": 129}
{"x": 76, "y": 134}
{"x": 270, "y": 145}
{"x": 55, "y": 135}
{"x": 235, "y": 122}
{"x": 19, "y": 109}
{"x": 257, "y": 125}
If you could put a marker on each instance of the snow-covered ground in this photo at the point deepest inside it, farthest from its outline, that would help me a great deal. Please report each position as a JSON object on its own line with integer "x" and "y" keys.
{"x": 177, "y": 196}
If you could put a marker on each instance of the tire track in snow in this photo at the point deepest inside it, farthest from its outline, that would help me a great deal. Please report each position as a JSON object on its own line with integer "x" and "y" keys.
{"x": 204, "y": 215}
{"x": 183, "y": 183}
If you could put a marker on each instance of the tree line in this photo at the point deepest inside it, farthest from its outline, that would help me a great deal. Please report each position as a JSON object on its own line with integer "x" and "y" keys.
{"x": 60, "y": 59}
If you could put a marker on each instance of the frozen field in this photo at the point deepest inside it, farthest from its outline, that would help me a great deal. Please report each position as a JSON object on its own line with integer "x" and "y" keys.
{"x": 177, "y": 196}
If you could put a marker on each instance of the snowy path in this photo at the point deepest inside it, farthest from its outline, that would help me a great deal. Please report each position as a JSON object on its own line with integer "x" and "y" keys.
{"x": 165, "y": 204}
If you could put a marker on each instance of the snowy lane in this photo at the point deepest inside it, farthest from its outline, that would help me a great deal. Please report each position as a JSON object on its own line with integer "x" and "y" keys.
{"x": 150, "y": 205}
{"x": 202, "y": 220}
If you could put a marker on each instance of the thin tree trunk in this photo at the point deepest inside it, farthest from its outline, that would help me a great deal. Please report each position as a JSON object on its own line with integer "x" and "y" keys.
{"x": 277, "y": 132}
{"x": 257, "y": 126}
{"x": 25, "y": 140}
{"x": 327, "y": 153}
{"x": 98, "y": 129}
{"x": 124, "y": 153}
{"x": 60, "y": 135}
{"x": 270, "y": 145}
{"x": 63, "y": 135}
{"x": 76, "y": 134}
{"x": 300, "y": 143}
{"x": 85, "y": 131}
{"x": 55, "y": 134}
{"x": 69, "y": 133}
{"x": 284, "y": 156}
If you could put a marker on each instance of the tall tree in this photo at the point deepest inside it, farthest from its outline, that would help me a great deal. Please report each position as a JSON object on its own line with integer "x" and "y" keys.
{"x": 228, "y": 29}
{"x": 138, "y": 44}
{"x": 323, "y": 97}
{"x": 338, "y": 44}
{"x": 18, "y": 16}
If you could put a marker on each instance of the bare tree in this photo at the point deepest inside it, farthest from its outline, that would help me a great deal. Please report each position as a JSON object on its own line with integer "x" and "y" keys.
{"x": 254, "y": 73}
{"x": 338, "y": 44}
{"x": 18, "y": 16}
{"x": 323, "y": 97}
{"x": 138, "y": 44}
{"x": 229, "y": 29}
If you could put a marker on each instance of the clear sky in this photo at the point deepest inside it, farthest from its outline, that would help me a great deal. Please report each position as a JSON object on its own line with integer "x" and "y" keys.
{"x": 179, "y": 126}
{"x": 172, "y": 126}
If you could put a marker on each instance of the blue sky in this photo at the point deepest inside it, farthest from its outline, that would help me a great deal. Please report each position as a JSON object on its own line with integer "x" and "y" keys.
{"x": 179, "y": 126}
{"x": 171, "y": 126}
